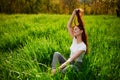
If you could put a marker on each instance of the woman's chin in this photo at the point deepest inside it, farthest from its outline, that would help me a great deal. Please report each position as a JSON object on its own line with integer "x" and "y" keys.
{"x": 75, "y": 34}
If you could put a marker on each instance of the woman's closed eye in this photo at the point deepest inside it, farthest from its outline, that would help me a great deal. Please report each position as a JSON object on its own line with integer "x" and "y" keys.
{"x": 76, "y": 30}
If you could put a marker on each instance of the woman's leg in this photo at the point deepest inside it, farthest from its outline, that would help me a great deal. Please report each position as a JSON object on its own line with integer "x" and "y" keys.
{"x": 57, "y": 57}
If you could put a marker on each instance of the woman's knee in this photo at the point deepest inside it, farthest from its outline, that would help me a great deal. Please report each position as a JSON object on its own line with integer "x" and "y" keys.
{"x": 56, "y": 53}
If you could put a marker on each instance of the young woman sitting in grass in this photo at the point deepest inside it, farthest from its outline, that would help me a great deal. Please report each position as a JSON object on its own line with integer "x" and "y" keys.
{"x": 78, "y": 48}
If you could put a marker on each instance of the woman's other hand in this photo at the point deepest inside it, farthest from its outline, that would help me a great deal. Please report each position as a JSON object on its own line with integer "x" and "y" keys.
{"x": 75, "y": 10}
{"x": 81, "y": 12}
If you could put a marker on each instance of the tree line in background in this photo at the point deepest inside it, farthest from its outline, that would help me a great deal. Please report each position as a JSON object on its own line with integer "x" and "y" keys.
{"x": 59, "y": 6}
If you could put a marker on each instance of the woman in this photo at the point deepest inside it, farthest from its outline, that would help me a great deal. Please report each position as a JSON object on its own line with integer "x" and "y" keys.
{"x": 78, "y": 47}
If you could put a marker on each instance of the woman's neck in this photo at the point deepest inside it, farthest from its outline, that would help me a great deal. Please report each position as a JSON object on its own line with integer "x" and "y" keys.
{"x": 79, "y": 39}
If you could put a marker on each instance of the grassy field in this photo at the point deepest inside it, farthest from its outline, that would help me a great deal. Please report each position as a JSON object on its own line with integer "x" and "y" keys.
{"x": 27, "y": 44}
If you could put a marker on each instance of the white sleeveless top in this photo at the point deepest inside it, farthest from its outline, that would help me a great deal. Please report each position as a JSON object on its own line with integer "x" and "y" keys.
{"x": 75, "y": 47}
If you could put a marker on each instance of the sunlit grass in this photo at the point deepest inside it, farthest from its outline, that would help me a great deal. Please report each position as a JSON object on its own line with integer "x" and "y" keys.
{"x": 27, "y": 44}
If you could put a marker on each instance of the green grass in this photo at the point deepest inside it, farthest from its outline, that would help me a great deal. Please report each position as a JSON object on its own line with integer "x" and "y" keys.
{"x": 27, "y": 44}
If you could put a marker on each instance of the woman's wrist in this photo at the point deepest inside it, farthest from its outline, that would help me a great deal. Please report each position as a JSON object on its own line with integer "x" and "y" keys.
{"x": 65, "y": 64}
{"x": 69, "y": 60}
{"x": 61, "y": 67}
{"x": 74, "y": 13}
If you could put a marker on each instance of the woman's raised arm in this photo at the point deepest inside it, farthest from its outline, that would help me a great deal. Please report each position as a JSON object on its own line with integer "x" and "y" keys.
{"x": 69, "y": 25}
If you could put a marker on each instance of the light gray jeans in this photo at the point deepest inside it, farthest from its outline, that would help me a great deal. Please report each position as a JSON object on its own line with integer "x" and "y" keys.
{"x": 58, "y": 58}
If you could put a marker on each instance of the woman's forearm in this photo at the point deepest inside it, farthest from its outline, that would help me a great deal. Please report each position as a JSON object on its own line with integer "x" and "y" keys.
{"x": 71, "y": 19}
{"x": 75, "y": 56}
{"x": 65, "y": 64}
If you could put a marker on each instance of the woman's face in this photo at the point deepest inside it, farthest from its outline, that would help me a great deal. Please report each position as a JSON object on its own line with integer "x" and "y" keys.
{"x": 77, "y": 31}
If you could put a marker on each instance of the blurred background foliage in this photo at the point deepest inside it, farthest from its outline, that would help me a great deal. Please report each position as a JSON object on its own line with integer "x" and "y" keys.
{"x": 59, "y": 6}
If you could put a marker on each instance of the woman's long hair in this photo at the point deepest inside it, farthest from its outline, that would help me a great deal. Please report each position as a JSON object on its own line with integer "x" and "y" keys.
{"x": 81, "y": 27}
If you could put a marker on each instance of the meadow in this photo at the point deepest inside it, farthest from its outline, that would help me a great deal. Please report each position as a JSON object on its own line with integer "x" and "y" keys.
{"x": 28, "y": 41}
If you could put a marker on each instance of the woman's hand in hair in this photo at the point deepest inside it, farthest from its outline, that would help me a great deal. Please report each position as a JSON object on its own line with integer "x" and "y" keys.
{"x": 81, "y": 12}
{"x": 75, "y": 10}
